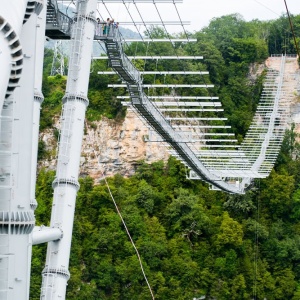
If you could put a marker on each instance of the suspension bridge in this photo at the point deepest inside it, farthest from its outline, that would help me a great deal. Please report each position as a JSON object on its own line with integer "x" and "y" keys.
{"x": 202, "y": 143}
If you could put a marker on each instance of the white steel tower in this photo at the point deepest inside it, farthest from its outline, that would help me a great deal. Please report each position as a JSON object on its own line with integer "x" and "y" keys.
{"x": 38, "y": 96}
{"x": 18, "y": 20}
{"x": 58, "y": 62}
{"x": 65, "y": 185}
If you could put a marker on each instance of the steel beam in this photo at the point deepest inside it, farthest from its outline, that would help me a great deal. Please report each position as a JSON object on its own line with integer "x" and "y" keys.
{"x": 160, "y": 72}
{"x": 165, "y": 85}
{"x": 157, "y": 57}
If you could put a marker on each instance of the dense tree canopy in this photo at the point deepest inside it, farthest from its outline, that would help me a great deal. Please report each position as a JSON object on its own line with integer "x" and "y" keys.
{"x": 192, "y": 241}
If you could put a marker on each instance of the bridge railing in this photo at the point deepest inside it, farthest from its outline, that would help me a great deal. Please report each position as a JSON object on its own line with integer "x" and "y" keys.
{"x": 286, "y": 55}
{"x": 112, "y": 32}
{"x": 57, "y": 20}
{"x": 65, "y": 22}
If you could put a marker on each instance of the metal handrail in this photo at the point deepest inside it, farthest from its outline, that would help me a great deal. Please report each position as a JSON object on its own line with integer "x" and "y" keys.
{"x": 115, "y": 34}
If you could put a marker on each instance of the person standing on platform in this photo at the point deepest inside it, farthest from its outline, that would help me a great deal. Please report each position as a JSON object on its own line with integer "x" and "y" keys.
{"x": 106, "y": 27}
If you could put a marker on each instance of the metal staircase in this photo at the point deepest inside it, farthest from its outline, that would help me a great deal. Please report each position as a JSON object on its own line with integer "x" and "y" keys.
{"x": 51, "y": 16}
{"x": 58, "y": 24}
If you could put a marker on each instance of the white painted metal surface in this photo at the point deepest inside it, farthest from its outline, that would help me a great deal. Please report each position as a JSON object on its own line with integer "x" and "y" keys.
{"x": 16, "y": 215}
{"x": 65, "y": 185}
{"x": 38, "y": 97}
{"x": 160, "y": 72}
{"x": 43, "y": 234}
{"x": 176, "y": 98}
{"x": 156, "y": 57}
{"x": 166, "y": 85}
{"x": 160, "y": 40}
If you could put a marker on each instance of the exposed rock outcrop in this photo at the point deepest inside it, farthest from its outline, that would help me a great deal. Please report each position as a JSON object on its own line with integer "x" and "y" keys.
{"x": 111, "y": 147}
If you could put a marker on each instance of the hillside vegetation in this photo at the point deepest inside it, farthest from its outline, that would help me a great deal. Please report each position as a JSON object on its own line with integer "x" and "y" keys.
{"x": 193, "y": 241}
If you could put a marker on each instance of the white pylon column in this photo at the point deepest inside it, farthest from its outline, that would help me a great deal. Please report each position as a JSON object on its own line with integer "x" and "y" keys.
{"x": 65, "y": 185}
{"x": 38, "y": 97}
{"x": 16, "y": 216}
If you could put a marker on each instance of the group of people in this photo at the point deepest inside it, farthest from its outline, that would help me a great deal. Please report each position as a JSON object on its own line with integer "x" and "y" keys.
{"x": 103, "y": 28}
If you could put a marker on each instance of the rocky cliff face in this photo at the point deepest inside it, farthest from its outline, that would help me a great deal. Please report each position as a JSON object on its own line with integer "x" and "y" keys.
{"x": 109, "y": 147}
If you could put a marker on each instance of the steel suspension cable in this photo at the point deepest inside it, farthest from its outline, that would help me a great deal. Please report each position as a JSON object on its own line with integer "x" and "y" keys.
{"x": 187, "y": 36}
{"x": 268, "y": 8}
{"x": 197, "y": 63}
{"x": 127, "y": 8}
{"x": 189, "y": 122}
{"x": 193, "y": 51}
{"x": 150, "y": 36}
{"x": 256, "y": 243}
{"x": 292, "y": 29}
{"x": 134, "y": 23}
{"x": 129, "y": 235}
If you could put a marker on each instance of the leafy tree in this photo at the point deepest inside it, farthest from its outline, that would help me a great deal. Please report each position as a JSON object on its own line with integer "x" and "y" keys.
{"x": 277, "y": 194}
{"x": 230, "y": 234}
{"x": 186, "y": 216}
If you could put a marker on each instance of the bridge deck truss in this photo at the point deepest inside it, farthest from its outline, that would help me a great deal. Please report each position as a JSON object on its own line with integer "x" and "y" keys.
{"x": 202, "y": 143}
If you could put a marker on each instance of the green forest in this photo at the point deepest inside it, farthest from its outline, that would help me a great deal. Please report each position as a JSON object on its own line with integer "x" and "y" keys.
{"x": 193, "y": 242}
